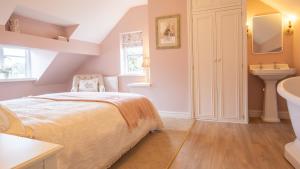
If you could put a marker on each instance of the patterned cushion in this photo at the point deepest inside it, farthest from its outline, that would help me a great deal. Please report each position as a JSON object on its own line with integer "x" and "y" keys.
{"x": 88, "y": 85}
{"x": 78, "y": 78}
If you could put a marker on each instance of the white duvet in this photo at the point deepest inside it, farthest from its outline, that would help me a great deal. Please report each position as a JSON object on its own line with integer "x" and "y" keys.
{"x": 94, "y": 135}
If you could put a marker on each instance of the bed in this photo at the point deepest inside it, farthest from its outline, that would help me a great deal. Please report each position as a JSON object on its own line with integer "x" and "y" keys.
{"x": 93, "y": 130}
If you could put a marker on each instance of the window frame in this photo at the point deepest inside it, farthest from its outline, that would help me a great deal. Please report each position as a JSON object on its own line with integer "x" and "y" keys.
{"x": 124, "y": 59}
{"x": 28, "y": 73}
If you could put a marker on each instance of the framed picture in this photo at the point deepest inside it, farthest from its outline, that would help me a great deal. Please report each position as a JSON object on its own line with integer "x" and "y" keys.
{"x": 168, "y": 32}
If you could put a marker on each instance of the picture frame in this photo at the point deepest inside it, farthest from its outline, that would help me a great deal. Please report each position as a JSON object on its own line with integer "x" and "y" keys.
{"x": 168, "y": 32}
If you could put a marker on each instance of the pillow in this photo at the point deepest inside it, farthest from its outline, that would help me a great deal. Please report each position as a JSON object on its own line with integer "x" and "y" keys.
{"x": 89, "y": 85}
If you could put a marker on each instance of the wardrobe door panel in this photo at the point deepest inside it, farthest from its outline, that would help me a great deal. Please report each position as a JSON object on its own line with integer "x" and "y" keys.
{"x": 204, "y": 57}
{"x": 213, "y": 4}
{"x": 229, "y": 69}
{"x": 204, "y": 4}
{"x": 226, "y": 3}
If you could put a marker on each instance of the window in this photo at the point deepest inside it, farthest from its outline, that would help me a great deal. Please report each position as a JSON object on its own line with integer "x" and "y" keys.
{"x": 132, "y": 53}
{"x": 14, "y": 63}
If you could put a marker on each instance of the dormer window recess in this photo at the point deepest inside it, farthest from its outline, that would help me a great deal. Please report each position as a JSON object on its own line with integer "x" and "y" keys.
{"x": 14, "y": 63}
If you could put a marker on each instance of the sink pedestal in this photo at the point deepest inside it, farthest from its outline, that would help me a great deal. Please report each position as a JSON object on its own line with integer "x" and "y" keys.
{"x": 271, "y": 73}
{"x": 270, "y": 113}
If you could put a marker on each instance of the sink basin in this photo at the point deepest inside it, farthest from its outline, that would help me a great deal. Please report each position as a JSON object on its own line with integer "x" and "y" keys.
{"x": 271, "y": 73}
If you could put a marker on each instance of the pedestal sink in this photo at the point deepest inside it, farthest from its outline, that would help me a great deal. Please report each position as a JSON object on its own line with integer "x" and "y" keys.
{"x": 271, "y": 74}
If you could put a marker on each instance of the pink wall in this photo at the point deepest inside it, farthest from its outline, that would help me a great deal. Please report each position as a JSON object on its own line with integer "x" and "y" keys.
{"x": 2, "y": 28}
{"x": 13, "y": 90}
{"x": 169, "y": 67}
{"x": 296, "y": 48}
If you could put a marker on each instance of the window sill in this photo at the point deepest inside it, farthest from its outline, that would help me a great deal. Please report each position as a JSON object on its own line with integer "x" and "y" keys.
{"x": 17, "y": 80}
{"x": 131, "y": 75}
{"x": 142, "y": 84}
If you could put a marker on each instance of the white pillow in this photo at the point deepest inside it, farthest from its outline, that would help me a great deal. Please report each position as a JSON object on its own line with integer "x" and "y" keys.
{"x": 89, "y": 85}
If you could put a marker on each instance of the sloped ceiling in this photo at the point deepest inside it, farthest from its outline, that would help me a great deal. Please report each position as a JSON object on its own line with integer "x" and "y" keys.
{"x": 62, "y": 69}
{"x": 96, "y": 18}
{"x": 288, "y": 7}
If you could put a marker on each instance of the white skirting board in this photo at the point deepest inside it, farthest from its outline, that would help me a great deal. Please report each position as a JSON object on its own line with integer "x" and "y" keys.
{"x": 188, "y": 115}
{"x": 177, "y": 115}
{"x": 257, "y": 113}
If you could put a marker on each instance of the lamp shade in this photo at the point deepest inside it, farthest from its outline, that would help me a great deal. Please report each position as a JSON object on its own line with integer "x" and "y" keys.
{"x": 146, "y": 62}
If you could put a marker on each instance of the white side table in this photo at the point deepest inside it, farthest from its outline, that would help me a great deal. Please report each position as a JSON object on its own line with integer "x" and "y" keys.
{"x": 23, "y": 153}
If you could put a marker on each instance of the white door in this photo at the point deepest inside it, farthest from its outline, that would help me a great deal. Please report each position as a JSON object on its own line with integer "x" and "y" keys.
{"x": 230, "y": 62}
{"x": 204, "y": 59}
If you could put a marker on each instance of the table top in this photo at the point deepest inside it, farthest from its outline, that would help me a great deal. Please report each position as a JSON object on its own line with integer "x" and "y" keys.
{"x": 19, "y": 152}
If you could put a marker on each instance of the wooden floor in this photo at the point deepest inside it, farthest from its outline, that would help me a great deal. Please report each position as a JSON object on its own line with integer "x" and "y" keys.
{"x": 235, "y": 146}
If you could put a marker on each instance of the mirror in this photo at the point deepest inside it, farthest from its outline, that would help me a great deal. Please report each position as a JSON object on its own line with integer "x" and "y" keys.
{"x": 267, "y": 34}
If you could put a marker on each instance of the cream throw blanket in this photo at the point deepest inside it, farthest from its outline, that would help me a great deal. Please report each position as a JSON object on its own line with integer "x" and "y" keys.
{"x": 132, "y": 107}
{"x": 9, "y": 121}
{"x": 94, "y": 134}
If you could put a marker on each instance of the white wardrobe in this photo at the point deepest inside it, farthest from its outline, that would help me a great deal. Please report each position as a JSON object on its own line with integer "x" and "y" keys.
{"x": 219, "y": 58}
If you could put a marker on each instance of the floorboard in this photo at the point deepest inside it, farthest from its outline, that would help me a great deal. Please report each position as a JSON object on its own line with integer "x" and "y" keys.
{"x": 257, "y": 145}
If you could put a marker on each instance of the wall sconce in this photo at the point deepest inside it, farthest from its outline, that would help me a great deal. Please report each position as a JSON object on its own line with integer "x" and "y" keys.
{"x": 248, "y": 27}
{"x": 290, "y": 29}
{"x": 290, "y": 24}
{"x": 248, "y": 30}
